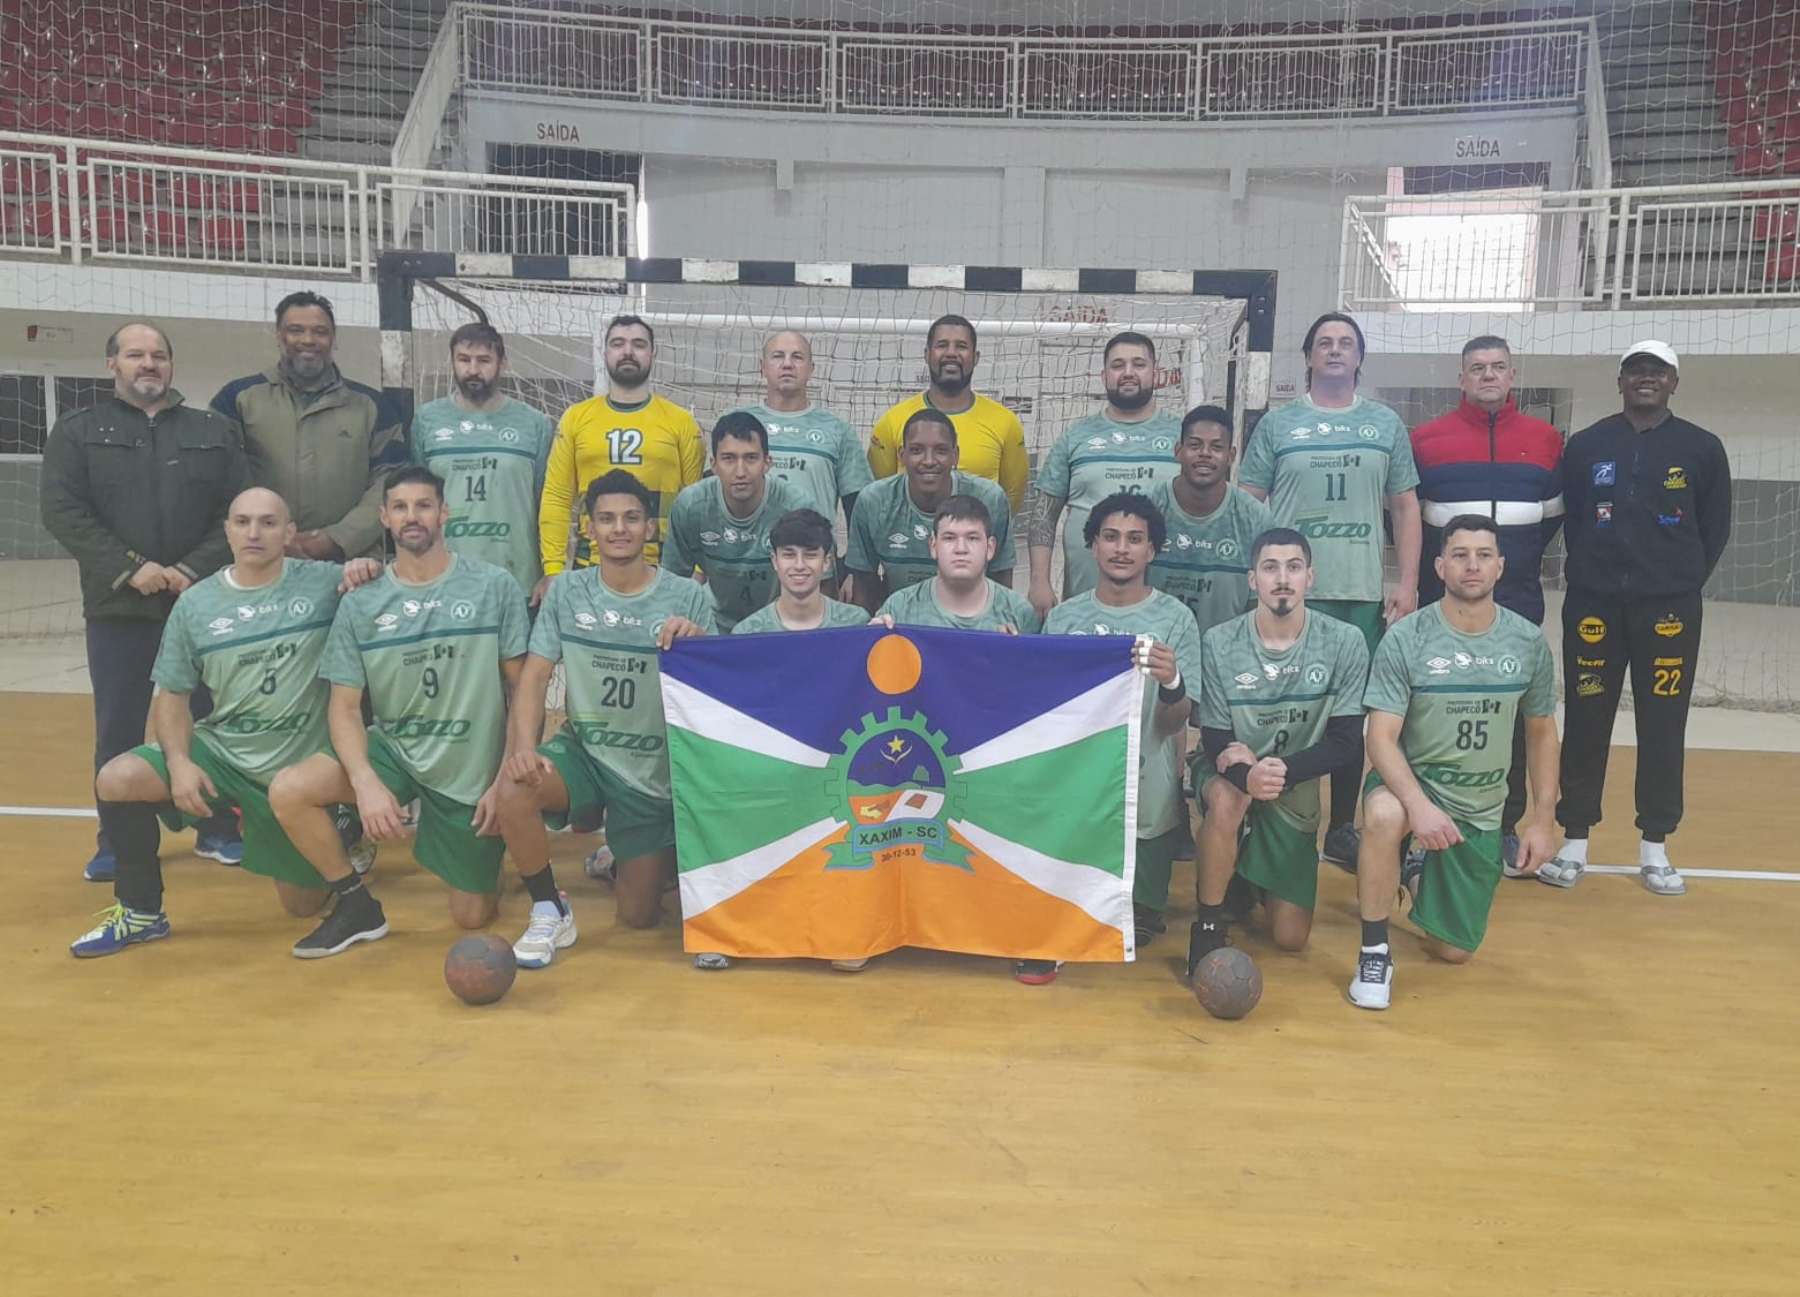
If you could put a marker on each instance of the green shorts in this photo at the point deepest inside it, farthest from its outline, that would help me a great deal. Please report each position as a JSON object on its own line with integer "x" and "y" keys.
{"x": 1456, "y": 891}
{"x": 1363, "y": 614}
{"x": 1155, "y": 865}
{"x": 637, "y": 824}
{"x": 1278, "y": 857}
{"x": 447, "y": 844}
{"x": 267, "y": 850}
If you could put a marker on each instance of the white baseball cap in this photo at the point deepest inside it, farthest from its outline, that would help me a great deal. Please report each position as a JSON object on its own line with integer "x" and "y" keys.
{"x": 1661, "y": 350}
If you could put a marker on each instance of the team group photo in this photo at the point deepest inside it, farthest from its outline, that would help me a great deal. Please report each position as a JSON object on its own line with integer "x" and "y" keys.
{"x": 782, "y": 648}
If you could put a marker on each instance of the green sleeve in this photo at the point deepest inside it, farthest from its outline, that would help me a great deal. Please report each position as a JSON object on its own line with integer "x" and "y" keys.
{"x": 1214, "y": 687}
{"x": 1390, "y": 687}
{"x": 1053, "y": 471}
{"x": 1187, "y": 654}
{"x": 1403, "y": 473}
{"x": 343, "y": 664}
{"x": 1025, "y": 616}
{"x": 515, "y": 621}
{"x": 1349, "y": 680}
{"x": 706, "y": 610}
{"x": 889, "y": 606}
{"x": 177, "y": 667}
{"x": 852, "y": 464}
{"x": 681, "y": 547}
{"x": 546, "y": 632}
{"x": 1004, "y": 558}
{"x": 1257, "y": 468}
{"x": 1540, "y": 694}
{"x": 859, "y": 555}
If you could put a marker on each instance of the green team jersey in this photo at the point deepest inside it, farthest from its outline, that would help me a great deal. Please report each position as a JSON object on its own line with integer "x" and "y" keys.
{"x": 1160, "y": 806}
{"x": 430, "y": 657}
{"x": 1327, "y": 473}
{"x": 606, "y": 642}
{"x": 1459, "y": 695}
{"x": 892, "y": 533}
{"x": 816, "y": 453}
{"x": 1205, "y": 561}
{"x": 258, "y": 651}
{"x": 917, "y": 605}
{"x": 1277, "y": 703}
{"x": 1094, "y": 458}
{"x": 732, "y": 551}
{"x": 766, "y": 620}
{"x": 492, "y": 463}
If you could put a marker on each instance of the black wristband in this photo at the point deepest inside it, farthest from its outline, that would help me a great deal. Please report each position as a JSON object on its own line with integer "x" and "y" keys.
{"x": 1174, "y": 695}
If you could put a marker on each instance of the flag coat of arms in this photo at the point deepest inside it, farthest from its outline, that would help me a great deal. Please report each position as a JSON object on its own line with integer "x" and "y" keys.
{"x": 843, "y": 793}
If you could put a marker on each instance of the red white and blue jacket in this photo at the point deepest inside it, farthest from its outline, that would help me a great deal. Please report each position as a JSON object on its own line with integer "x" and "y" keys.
{"x": 1506, "y": 466}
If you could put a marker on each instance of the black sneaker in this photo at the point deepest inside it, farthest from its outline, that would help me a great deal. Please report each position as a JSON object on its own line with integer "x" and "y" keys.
{"x": 349, "y": 922}
{"x": 1203, "y": 939}
{"x": 1149, "y": 925}
{"x": 1035, "y": 972}
{"x": 1341, "y": 846}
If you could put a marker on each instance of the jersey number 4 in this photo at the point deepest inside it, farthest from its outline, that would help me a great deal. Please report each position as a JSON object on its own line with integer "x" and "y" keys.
{"x": 625, "y": 446}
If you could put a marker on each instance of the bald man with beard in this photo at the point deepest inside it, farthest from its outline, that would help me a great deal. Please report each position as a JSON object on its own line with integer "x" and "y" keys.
{"x": 254, "y": 634}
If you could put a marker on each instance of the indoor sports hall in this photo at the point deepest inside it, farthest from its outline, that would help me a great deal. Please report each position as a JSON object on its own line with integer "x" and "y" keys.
{"x": 1599, "y": 1103}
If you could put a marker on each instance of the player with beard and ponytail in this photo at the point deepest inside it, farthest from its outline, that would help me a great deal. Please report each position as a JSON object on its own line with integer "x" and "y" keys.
{"x": 990, "y": 436}
{"x": 630, "y": 427}
{"x": 490, "y": 450}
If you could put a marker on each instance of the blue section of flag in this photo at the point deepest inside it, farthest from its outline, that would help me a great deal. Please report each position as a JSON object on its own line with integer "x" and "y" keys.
{"x": 973, "y": 685}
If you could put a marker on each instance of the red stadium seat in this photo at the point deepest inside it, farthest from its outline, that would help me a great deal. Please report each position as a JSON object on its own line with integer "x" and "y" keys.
{"x": 1776, "y": 223}
{"x": 1781, "y": 264}
{"x": 224, "y": 235}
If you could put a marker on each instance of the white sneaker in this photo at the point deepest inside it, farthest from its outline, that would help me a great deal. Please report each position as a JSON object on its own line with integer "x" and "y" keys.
{"x": 1559, "y": 872}
{"x": 711, "y": 961}
{"x": 1663, "y": 880}
{"x": 1373, "y": 985}
{"x": 849, "y": 965}
{"x": 600, "y": 866}
{"x": 548, "y": 932}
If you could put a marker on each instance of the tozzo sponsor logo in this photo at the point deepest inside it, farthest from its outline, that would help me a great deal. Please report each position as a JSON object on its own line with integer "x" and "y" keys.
{"x": 598, "y": 734}
{"x": 464, "y": 529}
{"x": 1322, "y": 528}
{"x": 1449, "y": 776}
{"x": 247, "y": 725}
{"x": 428, "y": 727}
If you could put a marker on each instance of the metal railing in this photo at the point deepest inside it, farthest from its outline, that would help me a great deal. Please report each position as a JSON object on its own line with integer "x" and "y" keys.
{"x": 1379, "y": 73}
{"x": 1669, "y": 245}
{"x": 94, "y": 200}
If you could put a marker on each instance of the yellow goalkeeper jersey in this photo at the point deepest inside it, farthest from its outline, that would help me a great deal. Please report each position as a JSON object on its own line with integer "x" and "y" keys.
{"x": 656, "y": 441}
{"x": 990, "y": 443}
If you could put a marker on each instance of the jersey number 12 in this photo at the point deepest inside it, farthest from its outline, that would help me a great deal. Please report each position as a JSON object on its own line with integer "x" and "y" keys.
{"x": 625, "y": 445}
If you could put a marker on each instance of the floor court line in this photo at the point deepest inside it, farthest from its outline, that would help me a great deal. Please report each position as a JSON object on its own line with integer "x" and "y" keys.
{"x": 1744, "y": 875}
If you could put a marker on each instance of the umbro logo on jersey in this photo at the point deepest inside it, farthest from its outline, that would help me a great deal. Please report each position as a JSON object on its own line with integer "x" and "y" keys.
{"x": 1439, "y": 666}
{"x": 443, "y": 434}
{"x": 1246, "y": 679}
{"x": 221, "y": 625}
{"x": 586, "y": 620}
{"x": 1096, "y": 443}
{"x": 709, "y": 538}
{"x": 387, "y": 621}
{"x": 898, "y": 538}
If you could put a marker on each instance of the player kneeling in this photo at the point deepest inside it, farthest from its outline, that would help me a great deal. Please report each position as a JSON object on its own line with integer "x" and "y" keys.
{"x": 1123, "y": 533}
{"x": 253, "y": 633}
{"x": 437, "y": 643}
{"x": 1444, "y": 690}
{"x": 1281, "y": 704}
{"x": 605, "y": 624}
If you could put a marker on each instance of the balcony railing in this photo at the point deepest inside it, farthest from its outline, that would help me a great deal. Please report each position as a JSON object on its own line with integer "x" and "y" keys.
{"x": 1377, "y": 74}
{"x": 97, "y": 201}
{"x": 1675, "y": 245}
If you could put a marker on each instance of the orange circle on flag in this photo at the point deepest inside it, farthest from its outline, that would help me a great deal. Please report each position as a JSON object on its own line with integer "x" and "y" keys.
{"x": 894, "y": 665}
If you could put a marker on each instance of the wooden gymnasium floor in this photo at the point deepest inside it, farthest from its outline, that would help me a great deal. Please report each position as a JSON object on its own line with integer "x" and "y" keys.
{"x": 1602, "y": 1104}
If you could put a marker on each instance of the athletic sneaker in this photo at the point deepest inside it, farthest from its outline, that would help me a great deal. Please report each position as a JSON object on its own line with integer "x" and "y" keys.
{"x": 1561, "y": 873}
{"x": 600, "y": 866}
{"x": 1412, "y": 869}
{"x": 849, "y": 965}
{"x": 1341, "y": 846}
{"x": 549, "y": 931}
{"x": 216, "y": 846}
{"x": 1035, "y": 972}
{"x": 1663, "y": 880}
{"x": 102, "y": 868}
{"x": 1373, "y": 985}
{"x": 120, "y": 927}
{"x": 712, "y": 961}
{"x": 1203, "y": 939}
{"x": 362, "y": 857}
{"x": 349, "y": 922}
{"x": 1148, "y": 923}
{"x": 1509, "y": 856}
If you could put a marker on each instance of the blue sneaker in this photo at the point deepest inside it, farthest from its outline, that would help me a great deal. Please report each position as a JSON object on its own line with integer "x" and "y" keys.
{"x": 216, "y": 846}
{"x": 103, "y": 868}
{"x": 119, "y": 927}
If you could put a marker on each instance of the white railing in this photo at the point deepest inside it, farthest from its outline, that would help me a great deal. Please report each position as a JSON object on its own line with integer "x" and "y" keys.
{"x": 96, "y": 200}
{"x": 416, "y": 143}
{"x": 1383, "y": 73}
{"x": 1671, "y": 245}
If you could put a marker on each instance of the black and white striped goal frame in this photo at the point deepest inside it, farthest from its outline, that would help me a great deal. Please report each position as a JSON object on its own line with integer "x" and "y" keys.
{"x": 399, "y": 271}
